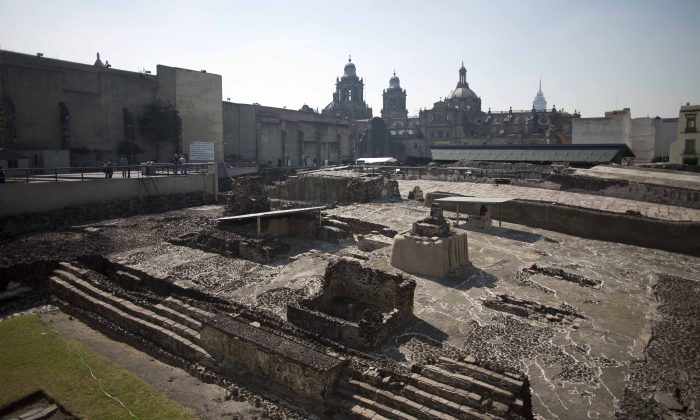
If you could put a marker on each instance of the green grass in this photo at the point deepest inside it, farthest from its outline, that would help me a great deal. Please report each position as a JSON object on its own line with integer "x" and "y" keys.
{"x": 33, "y": 357}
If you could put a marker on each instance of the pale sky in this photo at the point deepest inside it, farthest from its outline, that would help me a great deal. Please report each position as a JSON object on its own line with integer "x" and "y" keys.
{"x": 592, "y": 55}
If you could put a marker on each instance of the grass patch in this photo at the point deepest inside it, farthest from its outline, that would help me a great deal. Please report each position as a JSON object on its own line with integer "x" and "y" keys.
{"x": 33, "y": 357}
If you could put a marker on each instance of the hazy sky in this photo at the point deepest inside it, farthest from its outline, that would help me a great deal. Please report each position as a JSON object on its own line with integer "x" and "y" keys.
{"x": 592, "y": 55}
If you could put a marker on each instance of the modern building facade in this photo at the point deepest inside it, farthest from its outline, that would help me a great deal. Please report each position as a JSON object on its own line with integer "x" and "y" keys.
{"x": 649, "y": 138}
{"x": 686, "y": 148}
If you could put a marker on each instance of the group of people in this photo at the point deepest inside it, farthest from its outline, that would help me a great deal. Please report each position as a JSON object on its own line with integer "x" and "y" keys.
{"x": 108, "y": 167}
{"x": 180, "y": 163}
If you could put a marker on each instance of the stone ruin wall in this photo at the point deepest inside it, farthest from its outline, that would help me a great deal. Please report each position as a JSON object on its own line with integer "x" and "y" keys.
{"x": 348, "y": 278}
{"x": 33, "y": 222}
{"x": 305, "y": 371}
{"x": 333, "y": 189}
{"x": 551, "y": 178}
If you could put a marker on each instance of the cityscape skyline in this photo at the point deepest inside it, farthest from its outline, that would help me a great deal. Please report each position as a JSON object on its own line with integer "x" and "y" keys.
{"x": 287, "y": 58}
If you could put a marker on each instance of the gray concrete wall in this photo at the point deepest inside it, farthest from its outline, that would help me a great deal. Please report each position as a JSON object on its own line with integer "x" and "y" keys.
{"x": 284, "y": 137}
{"x": 666, "y": 131}
{"x": 643, "y": 137}
{"x": 239, "y": 132}
{"x": 94, "y": 97}
{"x": 197, "y": 96}
{"x": 21, "y": 198}
{"x": 614, "y": 129}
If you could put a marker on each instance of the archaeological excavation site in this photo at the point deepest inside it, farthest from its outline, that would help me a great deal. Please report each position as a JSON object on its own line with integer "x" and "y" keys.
{"x": 378, "y": 293}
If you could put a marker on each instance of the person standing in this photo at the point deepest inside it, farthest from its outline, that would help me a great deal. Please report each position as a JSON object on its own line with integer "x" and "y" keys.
{"x": 176, "y": 163}
{"x": 124, "y": 163}
{"x": 109, "y": 169}
{"x": 183, "y": 165}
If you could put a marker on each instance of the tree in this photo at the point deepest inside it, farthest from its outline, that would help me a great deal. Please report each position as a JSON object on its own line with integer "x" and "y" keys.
{"x": 161, "y": 123}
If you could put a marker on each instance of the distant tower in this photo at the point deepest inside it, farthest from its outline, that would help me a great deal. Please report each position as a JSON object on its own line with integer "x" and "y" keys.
{"x": 539, "y": 104}
{"x": 348, "y": 99}
{"x": 98, "y": 62}
{"x": 394, "y": 100}
{"x": 463, "y": 98}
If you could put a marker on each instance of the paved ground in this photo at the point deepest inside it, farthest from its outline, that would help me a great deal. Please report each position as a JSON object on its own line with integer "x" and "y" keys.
{"x": 610, "y": 204}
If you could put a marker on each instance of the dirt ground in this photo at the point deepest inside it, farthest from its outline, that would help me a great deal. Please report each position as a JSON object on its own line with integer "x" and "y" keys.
{"x": 575, "y": 371}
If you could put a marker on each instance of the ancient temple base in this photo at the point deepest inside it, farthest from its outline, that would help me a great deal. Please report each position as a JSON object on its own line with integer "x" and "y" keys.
{"x": 433, "y": 257}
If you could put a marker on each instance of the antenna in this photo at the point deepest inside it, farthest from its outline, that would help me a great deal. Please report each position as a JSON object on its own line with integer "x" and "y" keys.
{"x": 617, "y": 96}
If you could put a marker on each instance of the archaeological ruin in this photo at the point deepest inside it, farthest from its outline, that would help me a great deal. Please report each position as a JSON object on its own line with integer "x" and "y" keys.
{"x": 351, "y": 293}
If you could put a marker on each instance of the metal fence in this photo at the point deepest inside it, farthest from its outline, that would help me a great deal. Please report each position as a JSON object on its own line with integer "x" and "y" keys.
{"x": 27, "y": 175}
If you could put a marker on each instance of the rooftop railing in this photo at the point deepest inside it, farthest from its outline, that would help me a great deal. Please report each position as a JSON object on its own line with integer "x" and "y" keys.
{"x": 72, "y": 173}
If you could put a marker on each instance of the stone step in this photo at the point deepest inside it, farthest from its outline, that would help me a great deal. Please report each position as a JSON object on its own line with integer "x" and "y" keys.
{"x": 449, "y": 392}
{"x": 129, "y": 307}
{"x": 182, "y": 318}
{"x": 152, "y": 332}
{"x": 192, "y": 311}
{"x": 128, "y": 278}
{"x": 442, "y": 404}
{"x": 400, "y": 402}
{"x": 468, "y": 383}
{"x": 477, "y": 372}
{"x": 377, "y": 407}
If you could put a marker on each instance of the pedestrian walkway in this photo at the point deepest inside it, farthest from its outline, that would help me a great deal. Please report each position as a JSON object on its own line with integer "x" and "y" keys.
{"x": 593, "y": 202}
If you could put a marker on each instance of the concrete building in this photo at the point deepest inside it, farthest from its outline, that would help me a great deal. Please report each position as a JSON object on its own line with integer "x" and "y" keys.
{"x": 282, "y": 137}
{"x": 666, "y": 130}
{"x": 613, "y": 128}
{"x": 92, "y": 111}
{"x": 686, "y": 148}
{"x": 649, "y": 138}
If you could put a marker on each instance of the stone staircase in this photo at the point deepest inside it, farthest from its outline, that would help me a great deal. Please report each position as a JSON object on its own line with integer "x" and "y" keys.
{"x": 447, "y": 389}
{"x": 171, "y": 324}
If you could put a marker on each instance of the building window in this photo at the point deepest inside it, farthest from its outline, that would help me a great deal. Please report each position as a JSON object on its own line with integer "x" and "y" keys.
{"x": 690, "y": 123}
{"x": 689, "y": 147}
{"x": 12, "y": 163}
{"x": 415, "y": 145}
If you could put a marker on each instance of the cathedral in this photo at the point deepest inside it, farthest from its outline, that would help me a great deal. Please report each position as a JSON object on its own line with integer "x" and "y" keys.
{"x": 458, "y": 119}
{"x": 348, "y": 99}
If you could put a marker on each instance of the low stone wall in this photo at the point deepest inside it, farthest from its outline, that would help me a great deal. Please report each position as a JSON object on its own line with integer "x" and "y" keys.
{"x": 650, "y": 193}
{"x": 321, "y": 188}
{"x": 39, "y": 197}
{"x": 681, "y": 237}
{"x": 303, "y": 370}
{"x": 32, "y": 222}
{"x": 233, "y": 245}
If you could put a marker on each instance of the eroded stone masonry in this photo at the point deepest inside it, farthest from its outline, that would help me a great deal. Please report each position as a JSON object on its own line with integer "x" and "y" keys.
{"x": 375, "y": 306}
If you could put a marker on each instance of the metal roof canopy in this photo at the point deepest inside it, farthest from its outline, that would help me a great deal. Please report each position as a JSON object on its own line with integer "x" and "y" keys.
{"x": 477, "y": 200}
{"x": 585, "y": 153}
{"x": 274, "y": 213}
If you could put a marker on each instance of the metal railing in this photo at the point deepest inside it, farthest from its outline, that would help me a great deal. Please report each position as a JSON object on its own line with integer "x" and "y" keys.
{"x": 72, "y": 173}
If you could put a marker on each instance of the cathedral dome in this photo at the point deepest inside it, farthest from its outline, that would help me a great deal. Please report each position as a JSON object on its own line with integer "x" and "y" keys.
{"x": 394, "y": 82}
{"x": 349, "y": 70}
{"x": 462, "y": 93}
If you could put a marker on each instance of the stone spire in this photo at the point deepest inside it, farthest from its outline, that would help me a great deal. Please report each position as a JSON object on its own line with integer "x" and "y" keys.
{"x": 98, "y": 62}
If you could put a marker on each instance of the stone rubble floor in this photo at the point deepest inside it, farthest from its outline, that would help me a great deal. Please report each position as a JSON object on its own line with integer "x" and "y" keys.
{"x": 593, "y": 202}
{"x": 574, "y": 372}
